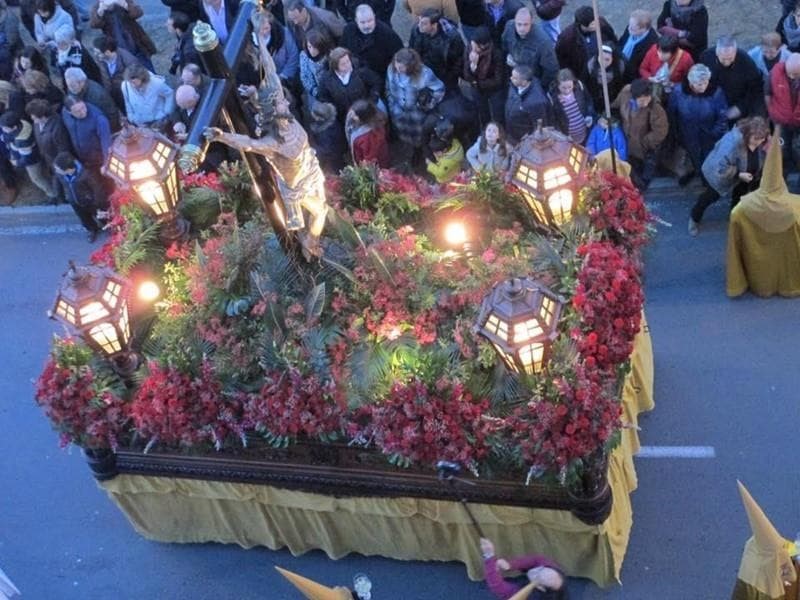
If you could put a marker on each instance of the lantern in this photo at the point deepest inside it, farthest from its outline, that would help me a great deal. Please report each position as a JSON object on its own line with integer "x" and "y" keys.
{"x": 93, "y": 301}
{"x": 520, "y": 318}
{"x": 144, "y": 160}
{"x": 546, "y": 168}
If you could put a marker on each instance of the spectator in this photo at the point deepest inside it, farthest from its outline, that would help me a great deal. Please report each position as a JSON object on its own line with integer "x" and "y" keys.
{"x": 665, "y": 64}
{"x": 382, "y": 9}
{"x": 636, "y": 40}
{"x": 483, "y": 70}
{"x": 83, "y": 189}
{"x": 326, "y": 136}
{"x": 28, "y": 58}
{"x": 579, "y": 41}
{"x": 148, "y": 99}
{"x": 366, "y": 132}
{"x": 92, "y": 92}
{"x": 35, "y": 84}
{"x": 303, "y": 18}
{"x": 497, "y": 14}
{"x": 373, "y": 42}
{"x": 601, "y": 137}
{"x": 544, "y": 573}
{"x": 27, "y": 13}
{"x": 17, "y": 136}
{"x": 646, "y": 127}
{"x": 571, "y": 106}
{"x": 191, "y": 8}
{"x": 220, "y": 14}
{"x": 526, "y": 43}
{"x": 406, "y": 78}
{"x": 697, "y": 109}
{"x": 447, "y": 153}
{"x": 738, "y": 76}
{"x": 192, "y": 75}
{"x": 48, "y": 130}
{"x": 789, "y": 29}
{"x": 112, "y": 62}
{"x": 732, "y": 167}
{"x": 71, "y": 53}
{"x": 9, "y": 40}
{"x": 615, "y": 68}
{"x": 88, "y": 131}
{"x": 278, "y": 41}
{"x": 768, "y": 53}
{"x": 783, "y": 104}
{"x": 686, "y": 20}
{"x": 491, "y": 152}
{"x": 313, "y": 64}
{"x": 440, "y": 47}
{"x": 49, "y": 18}
{"x": 472, "y": 15}
{"x": 179, "y": 25}
{"x": 526, "y": 104}
{"x": 447, "y": 8}
{"x": 344, "y": 83}
{"x": 549, "y": 11}
{"x": 186, "y": 100}
{"x": 118, "y": 19}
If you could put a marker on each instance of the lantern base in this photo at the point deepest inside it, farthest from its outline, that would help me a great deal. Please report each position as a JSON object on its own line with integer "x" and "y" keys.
{"x": 173, "y": 230}
{"x": 125, "y": 364}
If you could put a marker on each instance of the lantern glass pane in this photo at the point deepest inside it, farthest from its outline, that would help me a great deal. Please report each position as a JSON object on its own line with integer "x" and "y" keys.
{"x": 531, "y": 357}
{"x": 561, "y": 205}
{"x": 142, "y": 169}
{"x": 66, "y": 311}
{"x": 153, "y": 195}
{"x": 117, "y": 167}
{"x": 105, "y": 336}
{"x": 124, "y": 324}
{"x": 547, "y": 311}
{"x": 527, "y": 176}
{"x": 575, "y": 158}
{"x": 509, "y": 362}
{"x": 556, "y": 177}
{"x": 111, "y": 293}
{"x": 535, "y": 205}
{"x": 497, "y": 327}
{"x": 160, "y": 154}
{"x": 527, "y": 330}
{"x": 93, "y": 311}
{"x": 172, "y": 184}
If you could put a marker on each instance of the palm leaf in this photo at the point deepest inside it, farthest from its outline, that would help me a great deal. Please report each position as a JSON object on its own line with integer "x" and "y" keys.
{"x": 315, "y": 302}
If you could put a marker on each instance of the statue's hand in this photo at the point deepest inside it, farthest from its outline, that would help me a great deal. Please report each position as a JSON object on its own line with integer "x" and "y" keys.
{"x": 212, "y": 134}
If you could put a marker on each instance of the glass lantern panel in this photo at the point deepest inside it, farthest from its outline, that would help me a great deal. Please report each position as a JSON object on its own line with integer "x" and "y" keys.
{"x": 142, "y": 169}
{"x": 497, "y": 327}
{"x": 556, "y": 177}
{"x": 93, "y": 311}
{"x": 125, "y": 323}
{"x": 535, "y": 205}
{"x": 527, "y": 176}
{"x": 527, "y": 330}
{"x": 105, "y": 336}
{"x": 153, "y": 195}
{"x": 575, "y": 158}
{"x": 117, "y": 168}
{"x": 532, "y": 357}
{"x": 172, "y": 184}
{"x": 66, "y": 311}
{"x": 560, "y": 203}
{"x": 111, "y": 294}
{"x": 547, "y": 311}
{"x": 510, "y": 365}
{"x": 161, "y": 154}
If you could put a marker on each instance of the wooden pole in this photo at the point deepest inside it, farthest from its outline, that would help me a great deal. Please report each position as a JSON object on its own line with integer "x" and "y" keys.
{"x": 604, "y": 83}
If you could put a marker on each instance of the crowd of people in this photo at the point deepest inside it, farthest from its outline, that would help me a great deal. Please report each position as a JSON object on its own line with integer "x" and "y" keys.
{"x": 474, "y": 78}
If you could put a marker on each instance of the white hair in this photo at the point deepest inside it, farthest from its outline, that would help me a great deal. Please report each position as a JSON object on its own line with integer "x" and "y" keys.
{"x": 364, "y": 9}
{"x": 75, "y": 74}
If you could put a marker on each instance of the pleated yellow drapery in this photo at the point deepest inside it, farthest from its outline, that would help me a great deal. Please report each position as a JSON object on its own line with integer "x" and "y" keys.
{"x": 185, "y": 510}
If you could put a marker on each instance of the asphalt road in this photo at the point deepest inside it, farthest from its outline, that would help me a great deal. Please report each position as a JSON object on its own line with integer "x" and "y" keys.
{"x": 726, "y": 376}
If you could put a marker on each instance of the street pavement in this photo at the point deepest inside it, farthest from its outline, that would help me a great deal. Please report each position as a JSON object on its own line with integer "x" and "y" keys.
{"x": 726, "y": 377}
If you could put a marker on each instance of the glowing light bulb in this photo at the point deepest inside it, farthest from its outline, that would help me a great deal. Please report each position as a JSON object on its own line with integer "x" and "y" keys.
{"x": 148, "y": 291}
{"x": 455, "y": 234}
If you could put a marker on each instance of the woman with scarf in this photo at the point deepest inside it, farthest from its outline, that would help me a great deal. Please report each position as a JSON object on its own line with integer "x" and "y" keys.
{"x": 118, "y": 19}
{"x": 484, "y": 68}
{"x": 687, "y": 20}
{"x": 614, "y": 66}
{"x": 789, "y": 29}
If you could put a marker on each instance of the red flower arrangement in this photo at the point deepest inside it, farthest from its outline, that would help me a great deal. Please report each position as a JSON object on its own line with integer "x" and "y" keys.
{"x": 104, "y": 256}
{"x": 423, "y": 425}
{"x": 616, "y": 208}
{"x": 171, "y": 407}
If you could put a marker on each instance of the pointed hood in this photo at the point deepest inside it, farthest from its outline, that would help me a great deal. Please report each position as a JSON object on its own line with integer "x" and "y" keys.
{"x": 765, "y": 563}
{"x": 313, "y": 590}
{"x": 524, "y": 592}
{"x": 771, "y": 206}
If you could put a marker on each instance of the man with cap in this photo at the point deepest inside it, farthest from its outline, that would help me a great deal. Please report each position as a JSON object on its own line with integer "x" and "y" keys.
{"x": 763, "y": 252}
{"x": 578, "y": 42}
{"x": 766, "y": 571}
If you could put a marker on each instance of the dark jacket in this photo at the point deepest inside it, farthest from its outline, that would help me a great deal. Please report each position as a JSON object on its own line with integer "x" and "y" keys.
{"x": 21, "y": 146}
{"x": 375, "y": 50}
{"x": 443, "y": 52}
{"x": 637, "y": 55}
{"x": 548, "y": 9}
{"x": 52, "y": 138}
{"x": 328, "y": 140}
{"x": 383, "y": 9}
{"x": 79, "y": 56}
{"x": 497, "y": 27}
{"x": 615, "y": 79}
{"x": 189, "y": 7}
{"x": 523, "y": 111}
{"x": 695, "y": 27}
{"x": 90, "y": 136}
{"x": 490, "y": 74}
{"x": 19, "y": 99}
{"x": 96, "y": 94}
{"x": 471, "y": 12}
{"x": 9, "y": 42}
{"x": 83, "y": 188}
{"x": 231, "y": 10}
{"x": 741, "y": 82}
{"x": 113, "y": 82}
{"x": 185, "y": 52}
{"x": 324, "y": 21}
{"x": 700, "y": 119}
{"x": 572, "y": 51}
{"x": 363, "y": 85}
{"x": 534, "y": 50}
{"x": 122, "y": 25}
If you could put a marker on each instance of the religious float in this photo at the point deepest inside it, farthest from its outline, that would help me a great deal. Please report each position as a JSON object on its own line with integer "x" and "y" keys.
{"x": 364, "y": 364}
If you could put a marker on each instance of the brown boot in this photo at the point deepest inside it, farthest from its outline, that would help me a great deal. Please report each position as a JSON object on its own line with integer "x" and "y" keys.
{"x": 8, "y": 195}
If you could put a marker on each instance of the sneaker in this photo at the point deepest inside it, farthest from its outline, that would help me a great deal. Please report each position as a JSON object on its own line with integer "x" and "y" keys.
{"x": 694, "y": 227}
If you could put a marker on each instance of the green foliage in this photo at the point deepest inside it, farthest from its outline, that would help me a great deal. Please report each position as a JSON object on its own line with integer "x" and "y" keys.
{"x": 174, "y": 342}
{"x": 488, "y": 196}
{"x": 141, "y": 244}
{"x": 394, "y": 210}
{"x": 359, "y": 187}
{"x": 71, "y": 353}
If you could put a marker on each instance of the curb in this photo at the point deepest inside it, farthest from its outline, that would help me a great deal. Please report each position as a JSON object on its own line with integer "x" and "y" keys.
{"x": 36, "y": 209}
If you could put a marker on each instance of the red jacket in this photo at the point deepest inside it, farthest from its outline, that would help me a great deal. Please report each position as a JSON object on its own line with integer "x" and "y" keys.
{"x": 503, "y": 589}
{"x": 679, "y": 65}
{"x": 371, "y": 146}
{"x": 779, "y": 104}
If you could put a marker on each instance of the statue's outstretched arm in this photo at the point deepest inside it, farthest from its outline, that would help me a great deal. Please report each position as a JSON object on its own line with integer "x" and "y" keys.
{"x": 240, "y": 142}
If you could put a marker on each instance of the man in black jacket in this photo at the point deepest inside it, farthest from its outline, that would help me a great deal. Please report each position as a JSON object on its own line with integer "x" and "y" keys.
{"x": 738, "y": 76}
{"x": 383, "y": 9}
{"x": 179, "y": 24}
{"x": 439, "y": 45}
{"x": 578, "y": 42}
{"x": 497, "y": 14}
{"x": 635, "y": 41}
{"x": 526, "y": 104}
{"x": 371, "y": 41}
